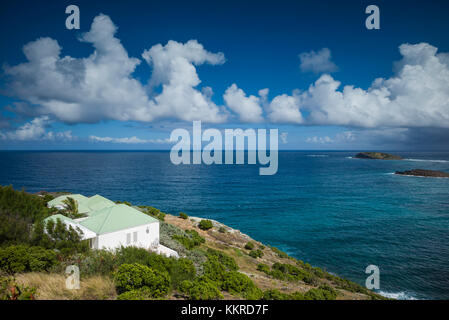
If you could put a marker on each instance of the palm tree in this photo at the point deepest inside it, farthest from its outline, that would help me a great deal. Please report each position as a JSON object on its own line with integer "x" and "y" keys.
{"x": 71, "y": 207}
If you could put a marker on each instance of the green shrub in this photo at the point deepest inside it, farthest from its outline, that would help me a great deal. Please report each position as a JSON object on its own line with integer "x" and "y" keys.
{"x": 237, "y": 283}
{"x": 274, "y": 294}
{"x": 264, "y": 268}
{"x": 135, "y": 276}
{"x": 205, "y": 224}
{"x": 190, "y": 240}
{"x": 323, "y": 292}
{"x": 227, "y": 261}
{"x": 256, "y": 254}
{"x": 182, "y": 215}
{"x": 249, "y": 246}
{"x": 143, "y": 293}
{"x": 21, "y": 258}
{"x": 222, "y": 229}
{"x": 213, "y": 269}
{"x": 201, "y": 288}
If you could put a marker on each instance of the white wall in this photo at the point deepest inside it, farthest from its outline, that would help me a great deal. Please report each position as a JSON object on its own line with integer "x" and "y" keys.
{"x": 116, "y": 239}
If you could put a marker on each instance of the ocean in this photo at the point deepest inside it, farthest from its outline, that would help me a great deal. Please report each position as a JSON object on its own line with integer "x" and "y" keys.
{"x": 326, "y": 208}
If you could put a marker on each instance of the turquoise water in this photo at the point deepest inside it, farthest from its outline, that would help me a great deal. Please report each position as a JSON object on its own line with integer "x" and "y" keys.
{"x": 338, "y": 213}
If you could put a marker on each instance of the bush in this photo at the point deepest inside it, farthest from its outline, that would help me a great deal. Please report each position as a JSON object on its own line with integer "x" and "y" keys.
{"x": 201, "y": 289}
{"x": 274, "y": 294}
{"x": 205, "y": 224}
{"x": 256, "y": 254}
{"x": 190, "y": 240}
{"x": 249, "y": 246}
{"x": 182, "y": 215}
{"x": 264, "y": 268}
{"x": 138, "y": 294}
{"x": 15, "y": 259}
{"x": 11, "y": 290}
{"x": 227, "y": 261}
{"x": 237, "y": 283}
{"x": 135, "y": 276}
{"x": 323, "y": 292}
{"x": 222, "y": 229}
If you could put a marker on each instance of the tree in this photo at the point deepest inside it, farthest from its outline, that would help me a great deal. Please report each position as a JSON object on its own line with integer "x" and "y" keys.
{"x": 71, "y": 208}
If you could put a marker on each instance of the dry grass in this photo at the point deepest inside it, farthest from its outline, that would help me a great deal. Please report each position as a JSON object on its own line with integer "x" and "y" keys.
{"x": 52, "y": 287}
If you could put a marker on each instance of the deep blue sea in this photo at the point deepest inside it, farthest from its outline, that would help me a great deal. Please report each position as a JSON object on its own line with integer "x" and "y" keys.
{"x": 330, "y": 210}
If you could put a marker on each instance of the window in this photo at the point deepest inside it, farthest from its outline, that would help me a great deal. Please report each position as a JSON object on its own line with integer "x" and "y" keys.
{"x": 128, "y": 238}
{"x": 135, "y": 236}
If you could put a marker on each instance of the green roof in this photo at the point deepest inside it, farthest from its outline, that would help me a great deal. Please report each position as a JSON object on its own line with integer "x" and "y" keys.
{"x": 85, "y": 204}
{"x": 115, "y": 218}
{"x": 98, "y": 202}
{"x": 79, "y": 198}
{"x": 55, "y": 217}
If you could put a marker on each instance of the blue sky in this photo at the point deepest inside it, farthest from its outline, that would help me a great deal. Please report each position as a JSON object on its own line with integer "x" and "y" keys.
{"x": 299, "y": 50}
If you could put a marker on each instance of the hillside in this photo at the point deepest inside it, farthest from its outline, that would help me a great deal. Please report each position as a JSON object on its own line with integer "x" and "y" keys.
{"x": 217, "y": 262}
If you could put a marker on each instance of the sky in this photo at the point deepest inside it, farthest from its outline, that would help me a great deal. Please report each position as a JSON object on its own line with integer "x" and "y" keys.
{"x": 136, "y": 70}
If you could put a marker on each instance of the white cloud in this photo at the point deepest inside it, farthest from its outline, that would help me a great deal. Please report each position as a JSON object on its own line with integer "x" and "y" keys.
{"x": 417, "y": 96}
{"x": 321, "y": 140}
{"x": 36, "y": 130}
{"x": 126, "y": 140}
{"x": 285, "y": 109}
{"x": 248, "y": 108}
{"x": 317, "y": 62}
{"x": 101, "y": 86}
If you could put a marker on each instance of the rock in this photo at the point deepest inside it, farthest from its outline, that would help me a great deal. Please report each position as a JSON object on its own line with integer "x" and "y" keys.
{"x": 423, "y": 173}
{"x": 377, "y": 155}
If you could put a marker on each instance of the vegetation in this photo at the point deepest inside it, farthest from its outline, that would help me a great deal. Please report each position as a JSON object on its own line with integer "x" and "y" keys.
{"x": 136, "y": 276}
{"x": 37, "y": 254}
{"x": 222, "y": 229}
{"x": 11, "y": 290}
{"x": 182, "y": 215}
{"x": 14, "y": 259}
{"x": 191, "y": 240}
{"x": 249, "y": 245}
{"x": 202, "y": 288}
{"x": 71, "y": 208}
{"x": 256, "y": 253}
{"x": 205, "y": 224}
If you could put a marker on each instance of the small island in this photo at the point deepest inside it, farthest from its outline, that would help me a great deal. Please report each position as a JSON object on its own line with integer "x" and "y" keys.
{"x": 423, "y": 173}
{"x": 377, "y": 155}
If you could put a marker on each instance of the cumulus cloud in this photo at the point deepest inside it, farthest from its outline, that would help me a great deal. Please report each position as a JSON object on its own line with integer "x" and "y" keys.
{"x": 317, "y": 62}
{"x": 247, "y": 108}
{"x": 127, "y": 140}
{"x": 416, "y": 96}
{"x": 102, "y": 87}
{"x": 345, "y": 136}
{"x": 36, "y": 130}
{"x": 285, "y": 109}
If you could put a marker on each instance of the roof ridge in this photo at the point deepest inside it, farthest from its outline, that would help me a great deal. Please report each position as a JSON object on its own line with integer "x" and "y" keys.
{"x": 107, "y": 217}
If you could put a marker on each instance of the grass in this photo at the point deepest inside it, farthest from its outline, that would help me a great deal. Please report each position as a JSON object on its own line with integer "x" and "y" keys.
{"x": 51, "y": 286}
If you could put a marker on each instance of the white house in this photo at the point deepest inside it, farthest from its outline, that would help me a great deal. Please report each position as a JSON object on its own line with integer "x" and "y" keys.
{"x": 111, "y": 225}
